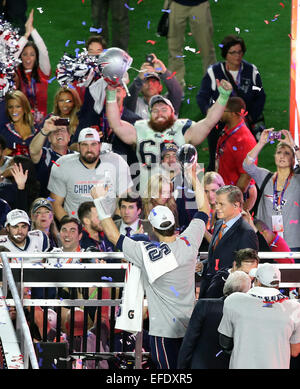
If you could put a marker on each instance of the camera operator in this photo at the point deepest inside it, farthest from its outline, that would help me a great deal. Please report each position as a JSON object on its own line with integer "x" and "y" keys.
{"x": 152, "y": 75}
{"x": 56, "y": 133}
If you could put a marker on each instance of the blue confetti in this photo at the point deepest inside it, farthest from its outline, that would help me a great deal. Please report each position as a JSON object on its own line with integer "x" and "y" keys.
{"x": 127, "y": 6}
{"x": 106, "y": 278}
{"x": 67, "y": 43}
{"x": 77, "y": 51}
{"x": 51, "y": 79}
{"x": 98, "y": 30}
{"x": 84, "y": 23}
{"x": 234, "y": 148}
{"x": 174, "y": 291}
{"x": 148, "y": 24}
{"x": 166, "y": 10}
{"x": 50, "y": 199}
{"x": 80, "y": 42}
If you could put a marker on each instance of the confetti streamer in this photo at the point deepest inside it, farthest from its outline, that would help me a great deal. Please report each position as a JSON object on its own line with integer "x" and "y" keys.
{"x": 171, "y": 76}
{"x": 127, "y": 6}
{"x": 55, "y": 163}
{"x": 166, "y": 10}
{"x": 51, "y": 79}
{"x": 293, "y": 221}
{"x": 97, "y": 30}
{"x": 150, "y": 41}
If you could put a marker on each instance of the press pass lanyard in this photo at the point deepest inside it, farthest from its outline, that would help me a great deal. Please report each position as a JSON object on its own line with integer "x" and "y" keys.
{"x": 220, "y": 149}
{"x": 278, "y": 201}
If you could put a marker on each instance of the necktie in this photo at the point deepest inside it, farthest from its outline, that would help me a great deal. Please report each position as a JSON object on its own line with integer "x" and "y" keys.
{"x": 128, "y": 229}
{"x": 220, "y": 234}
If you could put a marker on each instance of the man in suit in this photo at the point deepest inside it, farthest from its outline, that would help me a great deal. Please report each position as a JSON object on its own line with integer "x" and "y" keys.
{"x": 130, "y": 223}
{"x": 231, "y": 233}
{"x": 200, "y": 348}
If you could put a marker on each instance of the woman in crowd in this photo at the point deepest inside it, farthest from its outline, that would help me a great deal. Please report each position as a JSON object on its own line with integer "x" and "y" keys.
{"x": 159, "y": 192}
{"x": 33, "y": 73}
{"x": 20, "y": 130}
{"x": 279, "y": 206}
{"x": 42, "y": 218}
{"x": 66, "y": 105}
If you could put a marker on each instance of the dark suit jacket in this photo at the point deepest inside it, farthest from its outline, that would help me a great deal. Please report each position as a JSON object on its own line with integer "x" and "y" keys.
{"x": 200, "y": 348}
{"x": 146, "y": 226}
{"x": 240, "y": 236}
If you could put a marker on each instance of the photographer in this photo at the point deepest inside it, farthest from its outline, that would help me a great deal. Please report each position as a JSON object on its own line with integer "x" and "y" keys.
{"x": 279, "y": 204}
{"x": 56, "y": 131}
{"x": 149, "y": 83}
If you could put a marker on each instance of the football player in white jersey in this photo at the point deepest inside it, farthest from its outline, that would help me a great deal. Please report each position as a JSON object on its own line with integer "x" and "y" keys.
{"x": 19, "y": 238}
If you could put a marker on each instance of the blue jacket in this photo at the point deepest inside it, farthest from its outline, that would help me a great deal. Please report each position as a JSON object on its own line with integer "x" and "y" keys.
{"x": 250, "y": 88}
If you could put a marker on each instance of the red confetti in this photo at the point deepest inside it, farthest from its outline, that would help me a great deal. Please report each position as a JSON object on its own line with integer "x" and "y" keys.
{"x": 295, "y": 202}
{"x": 139, "y": 1}
{"x": 73, "y": 212}
{"x": 266, "y": 21}
{"x": 293, "y": 221}
{"x": 171, "y": 76}
{"x": 56, "y": 163}
{"x": 290, "y": 36}
{"x": 217, "y": 264}
{"x": 282, "y": 5}
{"x": 150, "y": 41}
{"x": 185, "y": 240}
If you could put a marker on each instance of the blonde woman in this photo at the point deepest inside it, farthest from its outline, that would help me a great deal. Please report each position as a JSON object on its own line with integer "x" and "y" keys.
{"x": 212, "y": 182}
{"x": 42, "y": 218}
{"x": 160, "y": 192}
{"x": 20, "y": 130}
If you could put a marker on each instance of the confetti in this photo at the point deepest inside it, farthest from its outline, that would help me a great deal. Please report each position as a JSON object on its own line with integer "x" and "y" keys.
{"x": 217, "y": 264}
{"x": 51, "y": 79}
{"x": 40, "y": 10}
{"x": 106, "y": 278}
{"x": 150, "y": 41}
{"x": 80, "y": 42}
{"x": 190, "y": 49}
{"x": 97, "y": 30}
{"x": 171, "y": 76}
{"x": 148, "y": 24}
{"x": 83, "y": 23}
{"x": 174, "y": 291}
{"x": 55, "y": 163}
{"x": 185, "y": 240}
{"x": 290, "y": 36}
{"x": 166, "y": 10}
{"x": 236, "y": 29}
{"x": 295, "y": 202}
{"x": 67, "y": 43}
{"x": 282, "y": 5}
{"x": 139, "y": 1}
{"x": 266, "y": 21}
{"x": 127, "y": 6}
{"x": 234, "y": 148}
{"x": 293, "y": 221}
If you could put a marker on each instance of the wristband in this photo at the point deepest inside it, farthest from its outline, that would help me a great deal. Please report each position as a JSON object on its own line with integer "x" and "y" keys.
{"x": 43, "y": 133}
{"x": 111, "y": 96}
{"x": 250, "y": 158}
{"x": 101, "y": 207}
{"x": 224, "y": 96}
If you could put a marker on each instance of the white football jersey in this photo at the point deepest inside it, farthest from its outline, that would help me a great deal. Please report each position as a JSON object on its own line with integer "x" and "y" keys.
{"x": 36, "y": 241}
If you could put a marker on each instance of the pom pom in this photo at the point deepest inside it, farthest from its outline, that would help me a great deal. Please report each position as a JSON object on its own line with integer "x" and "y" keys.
{"x": 77, "y": 68}
{"x": 9, "y": 38}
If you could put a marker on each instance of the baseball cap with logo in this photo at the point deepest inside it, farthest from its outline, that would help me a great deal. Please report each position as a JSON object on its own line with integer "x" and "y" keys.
{"x": 16, "y": 216}
{"x": 88, "y": 133}
{"x": 41, "y": 203}
{"x": 159, "y": 215}
{"x": 160, "y": 99}
{"x": 166, "y": 147}
{"x": 266, "y": 273}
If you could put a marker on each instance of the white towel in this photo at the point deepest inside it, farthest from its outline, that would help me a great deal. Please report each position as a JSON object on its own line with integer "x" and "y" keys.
{"x": 97, "y": 90}
{"x": 158, "y": 260}
{"x": 130, "y": 316}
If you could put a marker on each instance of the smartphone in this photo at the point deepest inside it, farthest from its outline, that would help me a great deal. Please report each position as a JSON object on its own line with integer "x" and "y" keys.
{"x": 62, "y": 122}
{"x": 149, "y": 59}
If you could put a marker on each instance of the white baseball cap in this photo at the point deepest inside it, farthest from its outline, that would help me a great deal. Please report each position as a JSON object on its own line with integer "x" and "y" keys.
{"x": 16, "y": 216}
{"x": 159, "y": 215}
{"x": 266, "y": 274}
{"x": 88, "y": 133}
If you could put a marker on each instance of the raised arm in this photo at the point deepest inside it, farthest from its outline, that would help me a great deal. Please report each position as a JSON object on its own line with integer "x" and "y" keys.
{"x": 109, "y": 227}
{"x": 197, "y": 133}
{"x": 37, "y": 143}
{"x": 253, "y": 154}
{"x": 124, "y": 130}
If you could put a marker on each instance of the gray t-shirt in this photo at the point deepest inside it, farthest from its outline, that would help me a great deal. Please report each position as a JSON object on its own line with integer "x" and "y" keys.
{"x": 70, "y": 179}
{"x": 261, "y": 332}
{"x": 171, "y": 297}
{"x": 290, "y": 210}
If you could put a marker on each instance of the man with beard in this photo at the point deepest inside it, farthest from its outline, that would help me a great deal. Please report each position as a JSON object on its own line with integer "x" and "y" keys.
{"x": 149, "y": 136}
{"x": 73, "y": 176}
{"x": 20, "y": 239}
{"x": 92, "y": 233}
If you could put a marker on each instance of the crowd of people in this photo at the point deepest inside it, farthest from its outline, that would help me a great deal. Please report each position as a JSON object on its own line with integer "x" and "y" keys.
{"x": 108, "y": 179}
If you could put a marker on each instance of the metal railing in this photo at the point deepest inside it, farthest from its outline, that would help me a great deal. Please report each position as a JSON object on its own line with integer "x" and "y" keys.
{"x": 86, "y": 275}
